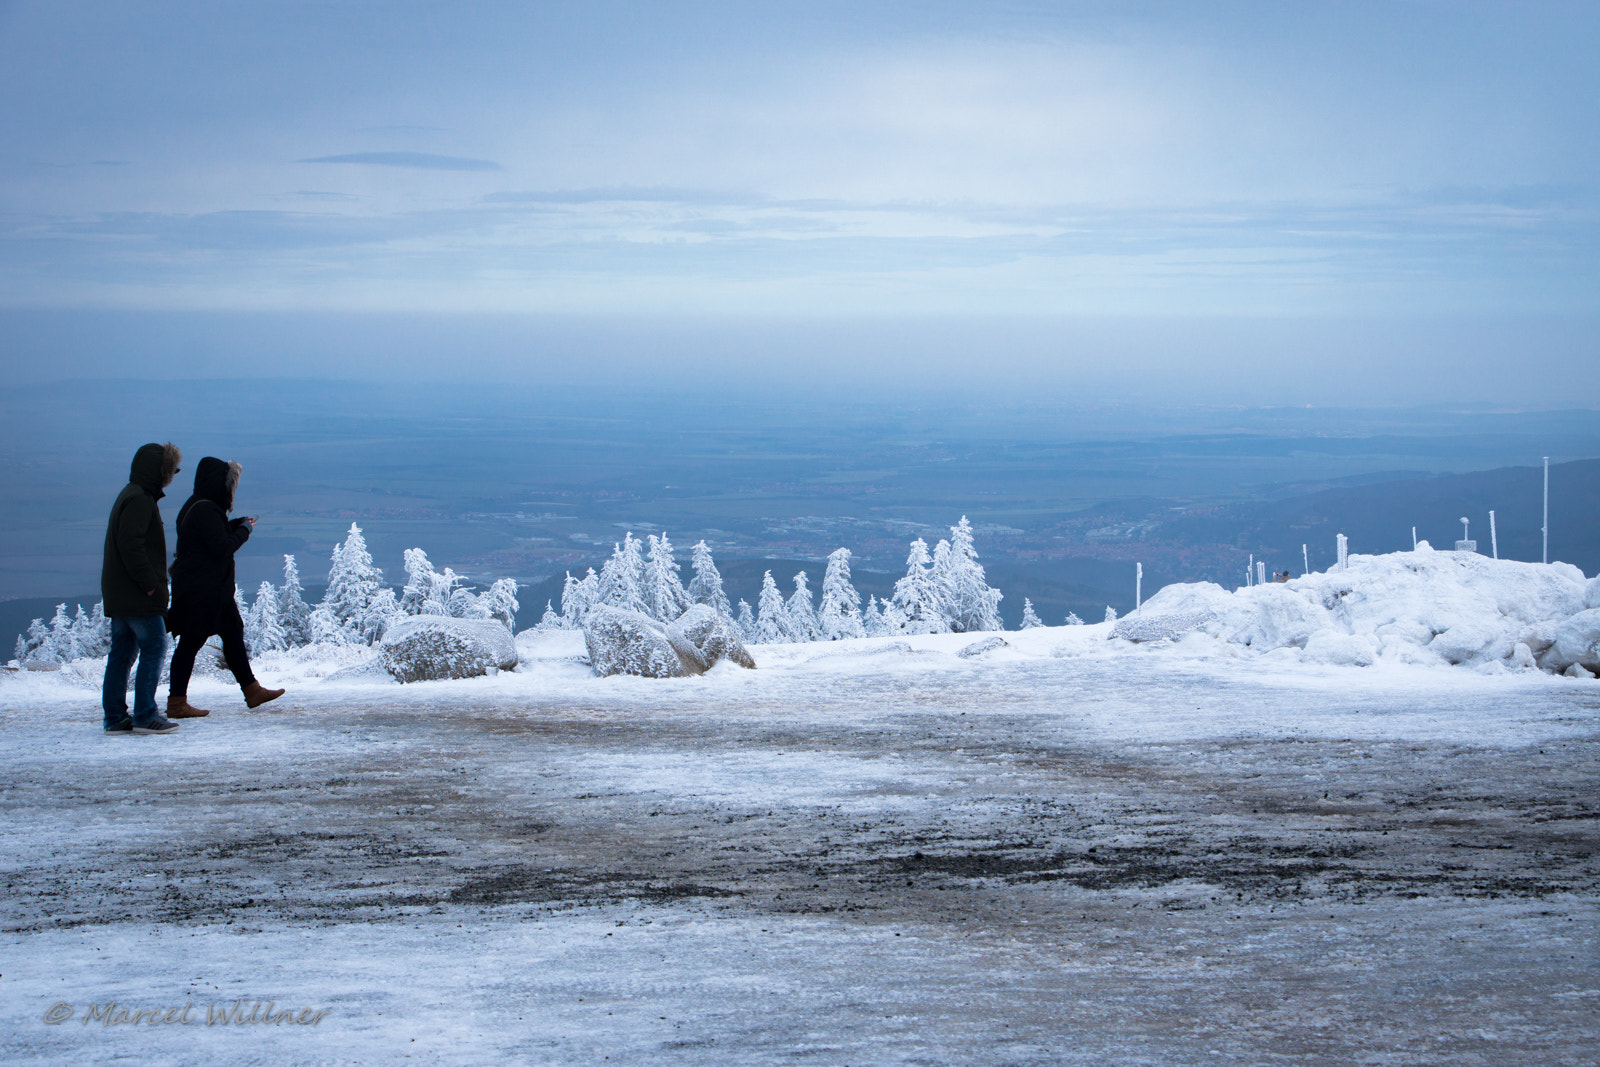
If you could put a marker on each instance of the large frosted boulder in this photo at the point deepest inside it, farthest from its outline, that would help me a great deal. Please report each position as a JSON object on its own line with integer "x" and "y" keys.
{"x": 421, "y": 648}
{"x": 713, "y": 636}
{"x": 627, "y": 642}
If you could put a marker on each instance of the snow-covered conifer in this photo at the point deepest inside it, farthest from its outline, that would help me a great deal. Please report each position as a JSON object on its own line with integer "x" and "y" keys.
{"x": 326, "y": 629}
{"x": 1111, "y": 613}
{"x": 463, "y": 602}
{"x": 772, "y": 618}
{"x": 353, "y": 584}
{"x": 294, "y": 614}
{"x": 96, "y": 638}
{"x": 577, "y": 596}
{"x": 1073, "y": 620}
{"x": 382, "y": 609}
{"x": 746, "y": 622}
{"x": 35, "y": 645}
{"x": 1030, "y": 618}
{"x": 62, "y": 645}
{"x": 917, "y": 604}
{"x": 802, "y": 616}
{"x": 871, "y": 619}
{"x": 500, "y": 601}
{"x": 840, "y": 615}
{"x": 263, "y": 632}
{"x": 969, "y": 601}
{"x": 664, "y": 594}
{"x": 421, "y": 593}
{"x": 550, "y": 620}
{"x": 706, "y": 585}
{"x": 619, "y": 584}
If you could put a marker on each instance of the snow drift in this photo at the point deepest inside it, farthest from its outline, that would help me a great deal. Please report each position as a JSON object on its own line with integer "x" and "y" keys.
{"x": 1423, "y": 607}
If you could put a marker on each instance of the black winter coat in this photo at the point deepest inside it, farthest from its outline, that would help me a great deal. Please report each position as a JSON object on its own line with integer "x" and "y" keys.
{"x": 202, "y": 563}
{"x": 136, "y": 542}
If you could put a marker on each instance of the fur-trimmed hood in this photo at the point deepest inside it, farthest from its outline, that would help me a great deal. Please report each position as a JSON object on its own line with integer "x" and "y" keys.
{"x": 154, "y": 466}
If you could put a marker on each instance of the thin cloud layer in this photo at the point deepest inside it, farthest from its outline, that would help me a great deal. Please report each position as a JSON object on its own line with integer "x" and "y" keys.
{"x": 417, "y": 160}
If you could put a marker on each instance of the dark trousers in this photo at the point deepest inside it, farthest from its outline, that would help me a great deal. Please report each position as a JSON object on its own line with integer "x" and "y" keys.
{"x": 144, "y": 636}
{"x": 189, "y": 646}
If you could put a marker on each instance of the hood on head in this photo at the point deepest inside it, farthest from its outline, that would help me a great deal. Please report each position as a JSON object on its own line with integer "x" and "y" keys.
{"x": 154, "y": 465}
{"x": 215, "y": 480}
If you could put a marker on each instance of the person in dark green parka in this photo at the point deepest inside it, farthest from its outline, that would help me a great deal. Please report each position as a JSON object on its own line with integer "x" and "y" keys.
{"x": 133, "y": 585}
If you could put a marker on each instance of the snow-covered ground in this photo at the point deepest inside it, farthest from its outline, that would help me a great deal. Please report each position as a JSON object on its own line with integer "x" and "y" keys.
{"x": 1066, "y": 849}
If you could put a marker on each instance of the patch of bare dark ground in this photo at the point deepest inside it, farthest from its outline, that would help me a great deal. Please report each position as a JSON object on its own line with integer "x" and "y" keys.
{"x": 490, "y": 816}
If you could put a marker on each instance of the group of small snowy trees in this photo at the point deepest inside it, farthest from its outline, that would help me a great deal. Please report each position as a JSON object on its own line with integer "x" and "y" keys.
{"x": 942, "y": 593}
{"x": 357, "y": 607}
{"x": 65, "y": 637}
{"x": 356, "y": 610}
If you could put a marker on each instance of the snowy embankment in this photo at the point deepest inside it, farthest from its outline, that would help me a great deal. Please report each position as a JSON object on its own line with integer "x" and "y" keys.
{"x": 1423, "y": 607}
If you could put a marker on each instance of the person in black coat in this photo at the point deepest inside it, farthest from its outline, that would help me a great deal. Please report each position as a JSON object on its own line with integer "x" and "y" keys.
{"x": 202, "y": 587}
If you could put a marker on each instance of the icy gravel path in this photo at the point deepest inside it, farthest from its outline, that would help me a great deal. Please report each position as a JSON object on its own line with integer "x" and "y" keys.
{"x": 889, "y": 858}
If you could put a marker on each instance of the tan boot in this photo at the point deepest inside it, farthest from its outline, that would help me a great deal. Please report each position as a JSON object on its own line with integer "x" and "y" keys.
{"x": 180, "y": 708}
{"x": 255, "y": 695}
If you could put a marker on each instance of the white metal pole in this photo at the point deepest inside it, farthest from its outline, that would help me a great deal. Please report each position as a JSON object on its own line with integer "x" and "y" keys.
{"x": 1250, "y": 571}
{"x": 1138, "y": 585}
{"x": 1413, "y": 538}
{"x": 1494, "y": 542}
{"x": 1305, "y": 558}
{"x": 1545, "y": 529}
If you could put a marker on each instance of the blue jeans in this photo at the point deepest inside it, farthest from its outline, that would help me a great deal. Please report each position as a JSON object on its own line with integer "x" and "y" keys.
{"x": 145, "y": 635}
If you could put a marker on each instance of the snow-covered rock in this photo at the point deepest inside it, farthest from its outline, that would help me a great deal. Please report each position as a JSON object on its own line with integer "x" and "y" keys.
{"x": 1340, "y": 650}
{"x": 420, "y": 648}
{"x": 979, "y": 648}
{"x": 630, "y": 642}
{"x": 713, "y": 635}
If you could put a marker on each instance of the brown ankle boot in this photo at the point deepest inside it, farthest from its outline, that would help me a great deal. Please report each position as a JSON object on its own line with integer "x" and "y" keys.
{"x": 180, "y": 708}
{"x": 255, "y": 695}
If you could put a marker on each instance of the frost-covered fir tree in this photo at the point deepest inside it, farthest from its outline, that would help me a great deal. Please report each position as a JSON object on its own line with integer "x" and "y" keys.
{"x": 262, "y": 630}
{"x": 382, "y": 610}
{"x": 353, "y": 586}
{"x": 917, "y": 604}
{"x": 772, "y": 618}
{"x": 96, "y": 638}
{"x": 1030, "y": 618}
{"x": 1073, "y": 620}
{"x": 970, "y": 603}
{"x": 500, "y": 602}
{"x": 802, "y": 616}
{"x": 706, "y": 585}
{"x": 872, "y": 619}
{"x": 294, "y": 614}
{"x": 326, "y": 629}
{"x": 426, "y": 591}
{"x": 1111, "y": 613}
{"x": 62, "y": 646}
{"x": 577, "y": 596}
{"x": 34, "y": 645}
{"x": 746, "y": 623}
{"x": 840, "y": 614}
{"x": 620, "y": 584}
{"x": 550, "y": 620}
{"x": 664, "y": 595}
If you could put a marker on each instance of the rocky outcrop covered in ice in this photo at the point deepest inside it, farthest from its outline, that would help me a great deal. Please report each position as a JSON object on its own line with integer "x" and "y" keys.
{"x": 421, "y": 648}
{"x": 1414, "y": 607}
{"x": 629, "y": 642}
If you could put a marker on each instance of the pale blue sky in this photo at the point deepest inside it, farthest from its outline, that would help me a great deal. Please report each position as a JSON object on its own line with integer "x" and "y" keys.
{"x": 1165, "y": 159}
{"x": 1325, "y": 161}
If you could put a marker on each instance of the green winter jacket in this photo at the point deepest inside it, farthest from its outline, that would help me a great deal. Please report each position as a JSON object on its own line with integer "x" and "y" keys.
{"x": 136, "y": 542}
